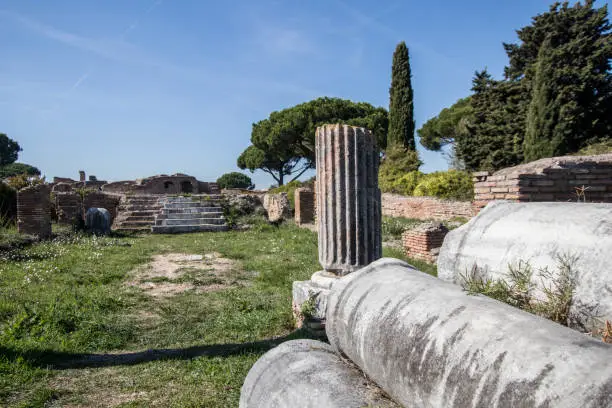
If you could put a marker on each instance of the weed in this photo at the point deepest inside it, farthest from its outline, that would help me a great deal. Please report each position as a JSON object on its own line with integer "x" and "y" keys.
{"x": 517, "y": 289}
{"x": 394, "y": 227}
{"x": 309, "y": 307}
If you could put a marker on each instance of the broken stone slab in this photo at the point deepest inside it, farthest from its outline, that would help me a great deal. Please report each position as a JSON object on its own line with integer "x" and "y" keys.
{"x": 307, "y": 373}
{"x": 428, "y": 343}
{"x": 309, "y": 291}
{"x": 98, "y": 221}
{"x": 277, "y": 206}
{"x": 507, "y": 233}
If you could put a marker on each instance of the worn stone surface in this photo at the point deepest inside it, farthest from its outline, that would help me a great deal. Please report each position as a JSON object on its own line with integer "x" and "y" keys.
{"x": 505, "y": 233}
{"x": 428, "y": 343}
{"x": 98, "y": 221}
{"x": 304, "y": 206}
{"x": 307, "y": 374}
{"x": 277, "y": 206}
{"x": 348, "y": 198}
{"x": 34, "y": 211}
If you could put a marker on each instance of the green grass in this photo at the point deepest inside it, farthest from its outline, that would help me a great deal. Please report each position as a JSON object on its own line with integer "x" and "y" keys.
{"x": 72, "y": 332}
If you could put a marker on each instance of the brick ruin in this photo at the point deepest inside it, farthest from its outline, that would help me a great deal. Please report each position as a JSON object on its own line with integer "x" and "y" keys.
{"x": 424, "y": 241}
{"x": 567, "y": 178}
{"x": 160, "y": 184}
{"x": 34, "y": 211}
{"x": 304, "y": 206}
{"x": 425, "y": 208}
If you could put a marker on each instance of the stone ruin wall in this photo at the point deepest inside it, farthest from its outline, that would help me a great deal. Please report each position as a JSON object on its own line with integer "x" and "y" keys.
{"x": 161, "y": 185}
{"x": 567, "y": 178}
{"x": 101, "y": 200}
{"x": 70, "y": 206}
{"x": 34, "y": 211}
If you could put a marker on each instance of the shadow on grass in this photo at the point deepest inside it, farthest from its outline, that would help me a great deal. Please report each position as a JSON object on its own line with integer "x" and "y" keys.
{"x": 58, "y": 360}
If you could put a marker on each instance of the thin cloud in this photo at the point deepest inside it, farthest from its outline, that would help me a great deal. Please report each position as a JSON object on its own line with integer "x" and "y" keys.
{"x": 278, "y": 40}
{"x": 114, "y": 50}
{"x": 373, "y": 24}
{"x": 80, "y": 81}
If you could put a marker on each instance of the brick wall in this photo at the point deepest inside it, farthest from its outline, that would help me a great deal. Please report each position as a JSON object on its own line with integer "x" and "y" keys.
{"x": 304, "y": 206}
{"x": 34, "y": 211}
{"x": 101, "y": 200}
{"x": 69, "y": 206}
{"x": 424, "y": 241}
{"x": 568, "y": 178}
{"x": 424, "y": 208}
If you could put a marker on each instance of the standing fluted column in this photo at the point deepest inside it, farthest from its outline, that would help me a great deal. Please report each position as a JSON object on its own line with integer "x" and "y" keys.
{"x": 348, "y": 198}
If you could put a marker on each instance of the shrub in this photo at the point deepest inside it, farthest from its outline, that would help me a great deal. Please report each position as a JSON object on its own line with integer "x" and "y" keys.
{"x": 14, "y": 169}
{"x": 8, "y": 201}
{"x": 596, "y": 148}
{"x": 290, "y": 188}
{"x": 23, "y": 180}
{"x": 235, "y": 180}
{"x": 518, "y": 290}
{"x": 398, "y": 170}
{"x": 400, "y": 184}
{"x": 394, "y": 227}
{"x": 451, "y": 184}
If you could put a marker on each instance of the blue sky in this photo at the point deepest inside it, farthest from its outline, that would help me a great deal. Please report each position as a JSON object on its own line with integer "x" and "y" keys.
{"x": 127, "y": 89}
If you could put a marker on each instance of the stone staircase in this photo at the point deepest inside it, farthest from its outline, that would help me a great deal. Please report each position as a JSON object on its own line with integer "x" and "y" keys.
{"x": 190, "y": 214}
{"x": 137, "y": 213}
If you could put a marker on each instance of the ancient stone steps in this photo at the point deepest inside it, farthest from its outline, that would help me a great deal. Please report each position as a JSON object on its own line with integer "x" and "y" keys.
{"x": 190, "y": 210}
{"x": 137, "y": 213}
{"x": 190, "y": 221}
{"x": 178, "y": 229}
{"x": 190, "y": 214}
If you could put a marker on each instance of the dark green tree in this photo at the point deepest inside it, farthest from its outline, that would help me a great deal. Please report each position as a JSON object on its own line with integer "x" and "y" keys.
{"x": 570, "y": 79}
{"x": 283, "y": 144}
{"x": 14, "y": 169}
{"x": 497, "y": 128}
{"x": 446, "y": 128}
{"x": 235, "y": 180}
{"x": 9, "y": 150}
{"x": 401, "y": 106}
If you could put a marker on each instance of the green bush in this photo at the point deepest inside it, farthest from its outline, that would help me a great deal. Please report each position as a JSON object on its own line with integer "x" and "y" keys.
{"x": 399, "y": 171}
{"x": 8, "y": 200}
{"x": 451, "y": 185}
{"x": 596, "y": 148}
{"x": 290, "y": 188}
{"x": 14, "y": 169}
{"x": 235, "y": 180}
{"x": 400, "y": 184}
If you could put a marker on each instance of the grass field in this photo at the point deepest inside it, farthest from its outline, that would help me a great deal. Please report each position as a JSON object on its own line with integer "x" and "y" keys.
{"x": 79, "y": 328}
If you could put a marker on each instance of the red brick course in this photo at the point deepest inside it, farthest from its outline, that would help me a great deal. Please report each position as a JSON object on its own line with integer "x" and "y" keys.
{"x": 424, "y": 241}
{"x": 568, "y": 178}
{"x": 34, "y": 211}
{"x": 424, "y": 208}
{"x": 304, "y": 206}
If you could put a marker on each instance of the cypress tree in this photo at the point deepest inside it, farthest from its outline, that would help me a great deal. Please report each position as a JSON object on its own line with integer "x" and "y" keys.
{"x": 401, "y": 110}
{"x": 543, "y": 114}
